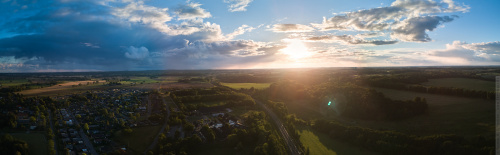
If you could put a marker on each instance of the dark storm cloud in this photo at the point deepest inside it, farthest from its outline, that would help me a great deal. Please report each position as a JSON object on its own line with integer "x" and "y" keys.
{"x": 89, "y": 35}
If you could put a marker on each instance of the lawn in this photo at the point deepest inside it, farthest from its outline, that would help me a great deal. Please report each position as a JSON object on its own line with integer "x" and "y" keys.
{"x": 462, "y": 83}
{"x": 319, "y": 143}
{"x": 247, "y": 85}
{"x": 140, "y": 138}
{"x": 36, "y": 142}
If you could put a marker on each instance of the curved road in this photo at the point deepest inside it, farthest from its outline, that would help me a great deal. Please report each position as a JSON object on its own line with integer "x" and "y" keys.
{"x": 288, "y": 139}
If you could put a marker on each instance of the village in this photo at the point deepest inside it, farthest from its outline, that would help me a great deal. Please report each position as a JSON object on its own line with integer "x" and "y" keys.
{"x": 89, "y": 121}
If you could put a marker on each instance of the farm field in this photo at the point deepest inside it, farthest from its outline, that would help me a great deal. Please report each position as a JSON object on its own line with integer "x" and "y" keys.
{"x": 462, "y": 83}
{"x": 36, "y": 142}
{"x": 67, "y": 88}
{"x": 446, "y": 114}
{"x": 247, "y": 85}
{"x": 319, "y": 144}
{"x": 60, "y": 88}
{"x": 140, "y": 138}
{"x": 16, "y": 82}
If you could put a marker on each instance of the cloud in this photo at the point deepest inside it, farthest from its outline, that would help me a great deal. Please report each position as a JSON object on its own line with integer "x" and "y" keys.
{"x": 191, "y": 11}
{"x": 408, "y": 20}
{"x": 238, "y": 5}
{"x": 87, "y": 35}
{"x": 488, "y": 47}
{"x": 474, "y": 53}
{"x": 140, "y": 13}
{"x": 239, "y": 31}
{"x": 137, "y": 53}
{"x": 414, "y": 29}
{"x": 291, "y": 28}
{"x": 349, "y": 39}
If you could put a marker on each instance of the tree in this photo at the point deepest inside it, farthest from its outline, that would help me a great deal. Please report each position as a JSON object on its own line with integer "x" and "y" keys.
{"x": 188, "y": 127}
{"x": 52, "y": 151}
{"x": 85, "y": 126}
{"x": 208, "y": 133}
{"x": 33, "y": 119}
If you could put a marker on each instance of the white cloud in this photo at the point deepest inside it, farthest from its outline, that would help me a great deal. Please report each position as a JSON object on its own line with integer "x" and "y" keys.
{"x": 414, "y": 29}
{"x": 192, "y": 10}
{"x": 238, "y": 5}
{"x": 239, "y": 31}
{"x": 475, "y": 53}
{"x": 408, "y": 20}
{"x": 291, "y": 28}
{"x": 349, "y": 39}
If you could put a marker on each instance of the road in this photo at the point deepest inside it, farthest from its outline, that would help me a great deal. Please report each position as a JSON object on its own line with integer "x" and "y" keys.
{"x": 53, "y": 132}
{"x": 87, "y": 142}
{"x": 288, "y": 139}
{"x": 155, "y": 141}
{"x": 85, "y": 139}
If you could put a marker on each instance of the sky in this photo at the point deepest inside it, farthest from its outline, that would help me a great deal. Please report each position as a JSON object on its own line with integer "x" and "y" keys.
{"x": 121, "y": 35}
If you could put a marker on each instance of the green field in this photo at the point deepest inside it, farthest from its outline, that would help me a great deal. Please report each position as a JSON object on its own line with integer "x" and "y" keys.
{"x": 14, "y": 82}
{"x": 247, "y": 85}
{"x": 144, "y": 80}
{"x": 140, "y": 138}
{"x": 36, "y": 142}
{"x": 462, "y": 83}
{"x": 446, "y": 115}
{"x": 319, "y": 144}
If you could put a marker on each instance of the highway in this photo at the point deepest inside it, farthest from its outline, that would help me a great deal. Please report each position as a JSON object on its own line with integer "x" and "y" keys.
{"x": 288, "y": 139}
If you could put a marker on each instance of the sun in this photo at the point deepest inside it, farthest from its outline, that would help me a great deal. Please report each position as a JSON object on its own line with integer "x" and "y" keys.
{"x": 296, "y": 49}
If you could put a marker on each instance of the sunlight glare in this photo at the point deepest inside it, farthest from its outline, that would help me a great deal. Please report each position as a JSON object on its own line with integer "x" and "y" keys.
{"x": 296, "y": 49}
